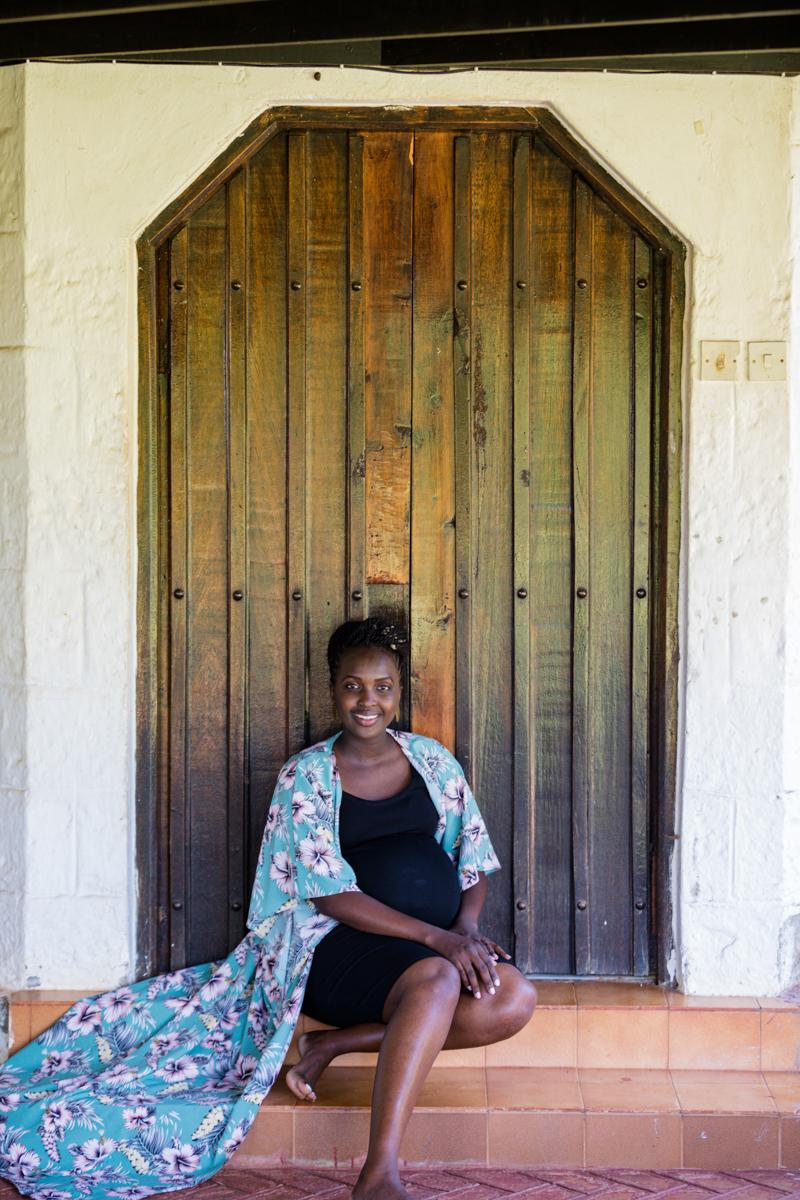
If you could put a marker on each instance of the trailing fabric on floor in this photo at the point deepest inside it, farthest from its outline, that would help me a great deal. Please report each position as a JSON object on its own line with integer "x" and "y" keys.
{"x": 151, "y": 1087}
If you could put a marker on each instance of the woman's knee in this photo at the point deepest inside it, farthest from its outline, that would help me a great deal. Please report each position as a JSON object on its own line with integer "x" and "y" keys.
{"x": 433, "y": 981}
{"x": 519, "y": 998}
{"x": 436, "y": 975}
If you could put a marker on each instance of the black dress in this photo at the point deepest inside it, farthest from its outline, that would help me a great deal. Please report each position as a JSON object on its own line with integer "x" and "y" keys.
{"x": 390, "y": 845}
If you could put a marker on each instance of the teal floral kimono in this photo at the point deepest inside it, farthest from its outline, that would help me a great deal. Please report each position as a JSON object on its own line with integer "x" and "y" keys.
{"x": 151, "y": 1087}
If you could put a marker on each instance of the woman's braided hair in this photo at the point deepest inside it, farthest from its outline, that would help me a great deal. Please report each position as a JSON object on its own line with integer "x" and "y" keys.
{"x": 374, "y": 632}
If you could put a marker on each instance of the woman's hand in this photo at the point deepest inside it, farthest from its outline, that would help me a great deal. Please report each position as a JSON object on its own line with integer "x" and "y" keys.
{"x": 469, "y": 928}
{"x": 471, "y": 954}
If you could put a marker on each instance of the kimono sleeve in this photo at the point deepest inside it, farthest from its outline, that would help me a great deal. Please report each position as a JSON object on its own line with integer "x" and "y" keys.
{"x": 475, "y": 850}
{"x": 300, "y": 857}
{"x": 466, "y": 837}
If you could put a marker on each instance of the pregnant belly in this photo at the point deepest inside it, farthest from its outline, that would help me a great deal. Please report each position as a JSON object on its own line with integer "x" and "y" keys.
{"x": 410, "y": 873}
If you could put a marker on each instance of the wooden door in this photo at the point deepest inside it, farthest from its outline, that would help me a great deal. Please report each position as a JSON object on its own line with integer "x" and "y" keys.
{"x": 415, "y": 371}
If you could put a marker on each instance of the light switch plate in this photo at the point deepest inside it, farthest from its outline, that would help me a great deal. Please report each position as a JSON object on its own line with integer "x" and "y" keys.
{"x": 766, "y": 360}
{"x": 718, "y": 360}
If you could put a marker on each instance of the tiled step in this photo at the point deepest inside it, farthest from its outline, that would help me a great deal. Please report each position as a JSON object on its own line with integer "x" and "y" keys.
{"x": 612, "y": 1025}
{"x": 547, "y": 1116}
{"x": 605, "y": 1075}
{"x": 620, "y": 1025}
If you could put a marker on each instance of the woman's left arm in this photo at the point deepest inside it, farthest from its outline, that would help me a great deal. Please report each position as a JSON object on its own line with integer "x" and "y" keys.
{"x": 466, "y": 923}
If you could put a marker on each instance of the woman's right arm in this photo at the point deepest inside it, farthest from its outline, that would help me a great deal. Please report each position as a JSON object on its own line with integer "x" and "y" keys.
{"x": 472, "y": 960}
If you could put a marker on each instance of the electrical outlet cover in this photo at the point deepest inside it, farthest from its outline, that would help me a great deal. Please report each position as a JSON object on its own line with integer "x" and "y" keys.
{"x": 718, "y": 360}
{"x": 766, "y": 360}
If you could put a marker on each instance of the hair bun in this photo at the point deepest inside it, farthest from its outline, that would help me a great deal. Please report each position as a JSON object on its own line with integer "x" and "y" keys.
{"x": 371, "y": 633}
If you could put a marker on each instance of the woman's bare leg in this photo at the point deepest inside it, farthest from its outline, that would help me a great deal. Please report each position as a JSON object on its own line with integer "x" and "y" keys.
{"x": 482, "y": 1022}
{"x": 319, "y": 1047}
{"x": 419, "y": 1012}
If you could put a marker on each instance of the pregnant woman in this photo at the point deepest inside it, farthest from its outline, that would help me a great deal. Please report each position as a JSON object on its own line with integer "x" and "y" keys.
{"x": 364, "y": 911}
{"x": 405, "y": 971}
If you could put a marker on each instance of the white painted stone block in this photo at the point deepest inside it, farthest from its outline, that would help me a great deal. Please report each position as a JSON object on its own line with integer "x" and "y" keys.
{"x": 759, "y": 860}
{"x": 732, "y": 949}
{"x": 51, "y": 843}
{"x": 733, "y": 737}
{"x": 707, "y": 840}
{"x": 82, "y": 942}
{"x": 76, "y": 739}
{"x": 55, "y": 622}
{"x": 12, "y": 841}
{"x": 102, "y": 843}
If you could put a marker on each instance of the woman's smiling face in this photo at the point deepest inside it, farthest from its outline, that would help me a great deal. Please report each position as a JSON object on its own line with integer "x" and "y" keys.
{"x": 366, "y": 692}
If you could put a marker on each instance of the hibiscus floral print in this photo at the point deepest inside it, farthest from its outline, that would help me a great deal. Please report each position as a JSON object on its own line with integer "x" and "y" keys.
{"x": 151, "y": 1087}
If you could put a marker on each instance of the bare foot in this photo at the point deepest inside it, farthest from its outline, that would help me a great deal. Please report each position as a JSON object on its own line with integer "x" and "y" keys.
{"x": 317, "y": 1048}
{"x": 379, "y": 1185}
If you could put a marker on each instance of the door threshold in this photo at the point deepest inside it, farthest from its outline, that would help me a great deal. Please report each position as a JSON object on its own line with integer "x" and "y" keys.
{"x": 641, "y": 979}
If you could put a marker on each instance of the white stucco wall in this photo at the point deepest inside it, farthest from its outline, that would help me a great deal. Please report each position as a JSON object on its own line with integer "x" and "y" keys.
{"x": 104, "y": 148}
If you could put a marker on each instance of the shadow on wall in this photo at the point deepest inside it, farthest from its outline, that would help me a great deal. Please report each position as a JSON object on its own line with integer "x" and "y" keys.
{"x": 789, "y": 952}
{"x": 3, "y": 1028}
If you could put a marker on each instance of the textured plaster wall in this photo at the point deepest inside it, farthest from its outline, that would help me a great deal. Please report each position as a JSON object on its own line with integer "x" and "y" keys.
{"x": 105, "y": 148}
{"x": 13, "y": 494}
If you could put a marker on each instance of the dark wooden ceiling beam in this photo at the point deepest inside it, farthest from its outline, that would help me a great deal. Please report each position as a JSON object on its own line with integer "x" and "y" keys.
{"x": 261, "y": 22}
{"x": 414, "y": 18}
{"x": 696, "y": 37}
{"x": 16, "y": 11}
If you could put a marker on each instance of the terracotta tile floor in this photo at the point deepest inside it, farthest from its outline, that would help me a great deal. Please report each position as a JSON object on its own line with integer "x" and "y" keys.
{"x": 482, "y": 1183}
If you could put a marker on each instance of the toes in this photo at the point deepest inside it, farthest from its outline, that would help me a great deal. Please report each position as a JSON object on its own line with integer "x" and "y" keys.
{"x": 301, "y": 1087}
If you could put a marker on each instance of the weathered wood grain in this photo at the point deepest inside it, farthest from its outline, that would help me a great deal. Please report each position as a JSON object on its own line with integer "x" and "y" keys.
{"x": 581, "y": 409}
{"x": 357, "y": 598}
{"x": 492, "y": 507}
{"x": 235, "y": 899}
{"x": 206, "y": 599}
{"x": 524, "y": 828}
{"x": 640, "y": 582}
{"x": 432, "y": 524}
{"x": 178, "y": 581}
{"x": 551, "y": 556}
{"x": 326, "y": 413}
{"x": 462, "y": 400}
{"x": 267, "y": 423}
{"x": 297, "y": 430}
{"x": 669, "y": 344}
{"x": 155, "y": 601}
{"x": 610, "y": 596}
{"x": 387, "y": 166}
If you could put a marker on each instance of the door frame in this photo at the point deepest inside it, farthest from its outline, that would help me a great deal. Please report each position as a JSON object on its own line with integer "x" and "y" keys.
{"x": 152, "y": 706}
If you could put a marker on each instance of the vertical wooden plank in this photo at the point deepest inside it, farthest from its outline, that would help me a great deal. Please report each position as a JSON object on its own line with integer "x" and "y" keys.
{"x": 551, "y": 557}
{"x": 610, "y": 596}
{"x": 669, "y": 303}
{"x": 387, "y": 253}
{"x": 178, "y": 584}
{"x": 326, "y": 410}
{"x": 296, "y": 440}
{"x": 357, "y": 598}
{"x": 157, "y": 853}
{"x": 433, "y": 675}
{"x": 267, "y": 719}
{"x": 238, "y": 590}
{"x": 523, "y": 828}
{"x": 388, "y": 216}
{"x": 206, "y": 592}
{"x": 640, "y": 583}
{"x": 152, "y": 611}
{"x": 462, "y": 400}
{"x": 582, "y": 400}
{"x": 492, "y": 500}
